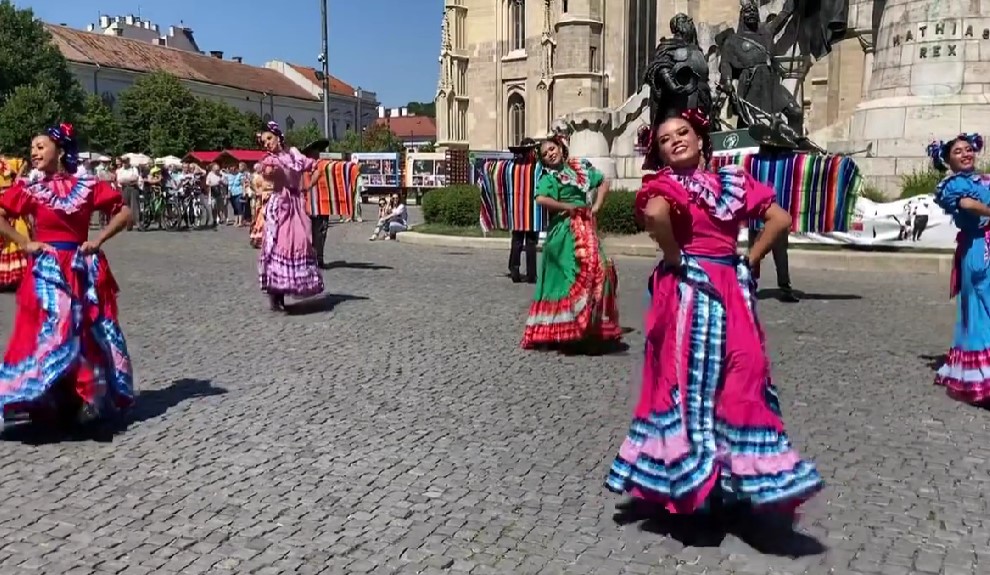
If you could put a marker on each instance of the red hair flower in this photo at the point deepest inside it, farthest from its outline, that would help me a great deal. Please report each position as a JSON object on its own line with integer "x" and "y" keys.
{"x": 67, "y": 130}
{"x": 697, "y": 118}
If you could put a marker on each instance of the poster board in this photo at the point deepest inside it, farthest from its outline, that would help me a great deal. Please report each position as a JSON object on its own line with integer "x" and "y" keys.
{"x": 426, "y": 170}
{"x": 378, "y": 169}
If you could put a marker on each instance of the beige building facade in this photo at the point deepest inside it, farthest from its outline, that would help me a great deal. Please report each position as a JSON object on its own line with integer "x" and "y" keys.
{"x": 509, "y": 68}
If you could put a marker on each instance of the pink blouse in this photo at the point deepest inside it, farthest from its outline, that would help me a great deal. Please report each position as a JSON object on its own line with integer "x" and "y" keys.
{"x": 289, "y": 165}
{"x": 707, "y": 208}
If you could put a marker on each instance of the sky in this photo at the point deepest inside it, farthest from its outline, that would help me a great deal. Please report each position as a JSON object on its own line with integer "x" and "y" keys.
{"x": 389, "y": 47}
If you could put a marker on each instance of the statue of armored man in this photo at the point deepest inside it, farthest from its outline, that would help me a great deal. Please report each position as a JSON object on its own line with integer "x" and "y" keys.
{"x": 678, "y": 73}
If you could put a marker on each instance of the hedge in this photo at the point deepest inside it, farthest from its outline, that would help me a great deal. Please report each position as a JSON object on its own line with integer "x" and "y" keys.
{"x": 460, "y": 206}
{"x": 457, "y": 206}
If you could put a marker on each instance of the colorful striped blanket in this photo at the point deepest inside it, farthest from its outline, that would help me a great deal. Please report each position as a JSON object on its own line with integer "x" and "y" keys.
{"x": 334, "y": 193}
{"x": 818, "y": 191}
{"x": 508, "y": 194}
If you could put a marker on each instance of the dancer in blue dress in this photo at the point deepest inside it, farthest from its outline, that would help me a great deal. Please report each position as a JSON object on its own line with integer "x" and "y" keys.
{"x": 965, "y": 195}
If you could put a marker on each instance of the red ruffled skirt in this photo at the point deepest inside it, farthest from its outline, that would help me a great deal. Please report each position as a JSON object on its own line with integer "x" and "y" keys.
{"x": 66, "y": 343}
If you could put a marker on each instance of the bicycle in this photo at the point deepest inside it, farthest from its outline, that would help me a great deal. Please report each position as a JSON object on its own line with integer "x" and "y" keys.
{"x": 151, "y": 208}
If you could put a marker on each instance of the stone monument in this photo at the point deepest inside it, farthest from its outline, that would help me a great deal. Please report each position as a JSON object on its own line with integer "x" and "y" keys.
{"x": 930, "y": 79}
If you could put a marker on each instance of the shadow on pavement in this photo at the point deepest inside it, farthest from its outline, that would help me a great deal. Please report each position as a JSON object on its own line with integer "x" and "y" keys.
{"x": 320, "y": 304}
{"x": 934, "y": 362}
{"x": 341, "y": 264}
{"x": 150, "y": 404}
{"x": 766, "y": 533}
{"x": 777, "y": 294}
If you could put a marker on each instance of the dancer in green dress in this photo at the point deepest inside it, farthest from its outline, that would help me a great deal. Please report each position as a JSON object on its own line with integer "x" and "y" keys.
{"x": 575, "y": 300}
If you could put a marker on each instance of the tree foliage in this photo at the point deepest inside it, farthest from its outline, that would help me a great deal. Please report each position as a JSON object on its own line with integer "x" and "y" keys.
{"x": 158, "y": 115}
{"x": 28, "y": 111}
{"x": 377, "y": 138}
{"x": 99, "y": 129}
{"x": 303, "y": 136}
{"x": 36, "y": 86}
{"x": 222, "y": 126}
{"x": 428, "y": 109}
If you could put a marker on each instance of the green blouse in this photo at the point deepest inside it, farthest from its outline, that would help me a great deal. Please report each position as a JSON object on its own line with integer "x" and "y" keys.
{"x": 570, "y": 183}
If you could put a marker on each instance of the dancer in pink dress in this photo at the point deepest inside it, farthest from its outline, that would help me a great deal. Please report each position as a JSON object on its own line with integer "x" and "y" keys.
{"x": 287, "y": 264}
{"x": 707, "y": 429}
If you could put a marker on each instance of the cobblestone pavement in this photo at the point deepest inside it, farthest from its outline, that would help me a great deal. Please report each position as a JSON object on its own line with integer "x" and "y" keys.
{"x": 403, "y": 431}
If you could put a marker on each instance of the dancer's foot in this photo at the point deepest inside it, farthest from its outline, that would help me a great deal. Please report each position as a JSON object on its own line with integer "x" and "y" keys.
{"x": 787, "y": 295}
{"x": 277, "y": 302}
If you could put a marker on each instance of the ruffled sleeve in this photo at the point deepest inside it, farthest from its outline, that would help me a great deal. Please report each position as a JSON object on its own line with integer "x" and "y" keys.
{"x": 270, "y": 161}
{"x": 16, "y": 201}
{"x": 302, "y": 161}
{"x": 547, "y": 187}
{"x": 106, "y": 198}
{"x": 660, "y": 186}
{"x": 952, "y": 189}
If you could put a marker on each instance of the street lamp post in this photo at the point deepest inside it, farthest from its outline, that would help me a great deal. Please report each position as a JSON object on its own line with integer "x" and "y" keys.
{"x": 325, "y": 60}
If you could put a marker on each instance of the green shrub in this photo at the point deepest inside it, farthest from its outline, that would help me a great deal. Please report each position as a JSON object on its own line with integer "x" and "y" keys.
{"x": 458, "y": 206}
{"x": 873, "y": 193}
{"x": 617, "y": 213}
{"x": 919, "y": 183}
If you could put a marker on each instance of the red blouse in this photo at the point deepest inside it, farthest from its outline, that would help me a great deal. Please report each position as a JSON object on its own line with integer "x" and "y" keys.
{"x": 61, "y": 205}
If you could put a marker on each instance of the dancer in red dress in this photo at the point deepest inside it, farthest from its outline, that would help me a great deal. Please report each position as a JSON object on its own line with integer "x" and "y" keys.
{"x": 66, "y": 356}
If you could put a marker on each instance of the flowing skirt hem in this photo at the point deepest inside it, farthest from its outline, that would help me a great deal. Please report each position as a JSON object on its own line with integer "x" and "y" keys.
{"x": 589, "y": 311}
{"x": 966, "y": 376}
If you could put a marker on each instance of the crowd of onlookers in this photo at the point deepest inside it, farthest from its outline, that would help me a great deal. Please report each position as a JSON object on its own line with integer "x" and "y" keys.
{"x": 215, "y": 186}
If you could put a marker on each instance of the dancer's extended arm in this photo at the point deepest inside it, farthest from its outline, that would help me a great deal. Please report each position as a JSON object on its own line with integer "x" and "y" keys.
{"x": 975, "y": 207}
{"x": 656, "y": 216}
{"x": 776, "y": 223}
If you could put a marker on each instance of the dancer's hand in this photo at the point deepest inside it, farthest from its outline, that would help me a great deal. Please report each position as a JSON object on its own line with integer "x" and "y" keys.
{"x": 35, "y": 248}
{"x": 89, "y": 248}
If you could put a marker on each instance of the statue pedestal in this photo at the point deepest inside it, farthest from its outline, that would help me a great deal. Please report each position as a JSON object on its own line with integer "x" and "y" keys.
{"x": 929, "y": 81}
{"x": 588, "y": 138}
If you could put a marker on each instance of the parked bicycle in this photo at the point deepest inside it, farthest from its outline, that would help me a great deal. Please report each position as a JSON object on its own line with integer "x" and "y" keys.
{"x": 152, "y": 208}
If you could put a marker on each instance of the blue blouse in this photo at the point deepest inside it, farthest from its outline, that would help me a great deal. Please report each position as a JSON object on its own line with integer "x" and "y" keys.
{"x": 952, "y": 189}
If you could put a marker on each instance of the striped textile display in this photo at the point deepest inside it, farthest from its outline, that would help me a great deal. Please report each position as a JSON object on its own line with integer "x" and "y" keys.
{"x": 508, "y": 194}
{"x": 335, "y": 189}
{"x": 818, "y": 191}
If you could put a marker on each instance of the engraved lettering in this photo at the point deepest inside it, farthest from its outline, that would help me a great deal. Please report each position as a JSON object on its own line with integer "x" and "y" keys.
{"x": 897, "y": 39}
{"x": 923, "y": 29}
{"x": 909, "y": 36}
{"x": 950, "y": 50}
{"x": 923, "y": 52}
{"x": 969, "y": 31}
{"x": 940, "y": 28}
{"x": 986, "y": 33}
{"x": 936, "y": 51}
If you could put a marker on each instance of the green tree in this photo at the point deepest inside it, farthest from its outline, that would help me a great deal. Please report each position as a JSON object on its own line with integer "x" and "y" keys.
{"x": 29, "y": 58}
{"x": 99, "y": 129}
{"x": 28, "y": 111}
{"x": 428, "y": 109}
{"x": 303, "y": 136}
{"x": 429, "y": 147}
{"x": 159, "y": 116}
{"x": 377, "y": 138}
{"x": 222, "y": 126}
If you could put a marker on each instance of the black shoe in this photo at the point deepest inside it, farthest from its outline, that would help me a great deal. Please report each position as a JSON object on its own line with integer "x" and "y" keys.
{"x": 530, "y": 279}
{"x": 277, "y": 302}
{"x": 515, "y": 275}
{"x": 787, "y": 296}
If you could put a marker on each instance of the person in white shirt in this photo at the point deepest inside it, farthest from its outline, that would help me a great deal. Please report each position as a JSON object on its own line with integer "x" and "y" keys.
{"x": 211, "y": 196}
{"x": 922, "y": 210}
{"x": 127, "y": 180}
{"x": 396, "y": 221}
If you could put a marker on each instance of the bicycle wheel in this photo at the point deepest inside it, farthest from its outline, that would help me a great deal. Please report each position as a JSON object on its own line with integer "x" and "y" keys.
{"x": 145, "y": 213}
{"x": 171, "y": 215}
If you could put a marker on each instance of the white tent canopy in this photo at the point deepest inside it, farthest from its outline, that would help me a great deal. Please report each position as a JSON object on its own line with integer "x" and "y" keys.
{"x": 137, "y": 159}
{"x": 168, "y": 161}
{"x": 93, "y": 156}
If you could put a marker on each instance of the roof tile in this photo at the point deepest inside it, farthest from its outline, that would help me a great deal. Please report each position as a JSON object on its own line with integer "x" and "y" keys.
{"x": 138, "y": 56}
{"x": 406, "y": 127}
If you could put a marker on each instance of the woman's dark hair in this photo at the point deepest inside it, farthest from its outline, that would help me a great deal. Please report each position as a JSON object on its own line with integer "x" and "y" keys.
{"x": 938, "y": 151}
{"x": 64, "y": 136}
{"x": 699, "y": 122}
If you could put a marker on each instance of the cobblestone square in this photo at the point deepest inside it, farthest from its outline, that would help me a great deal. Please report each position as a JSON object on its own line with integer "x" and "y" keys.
{"x": 398, "y": 428}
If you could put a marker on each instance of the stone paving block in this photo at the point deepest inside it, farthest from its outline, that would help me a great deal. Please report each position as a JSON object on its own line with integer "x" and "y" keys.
{"x": 398, "y": 428}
